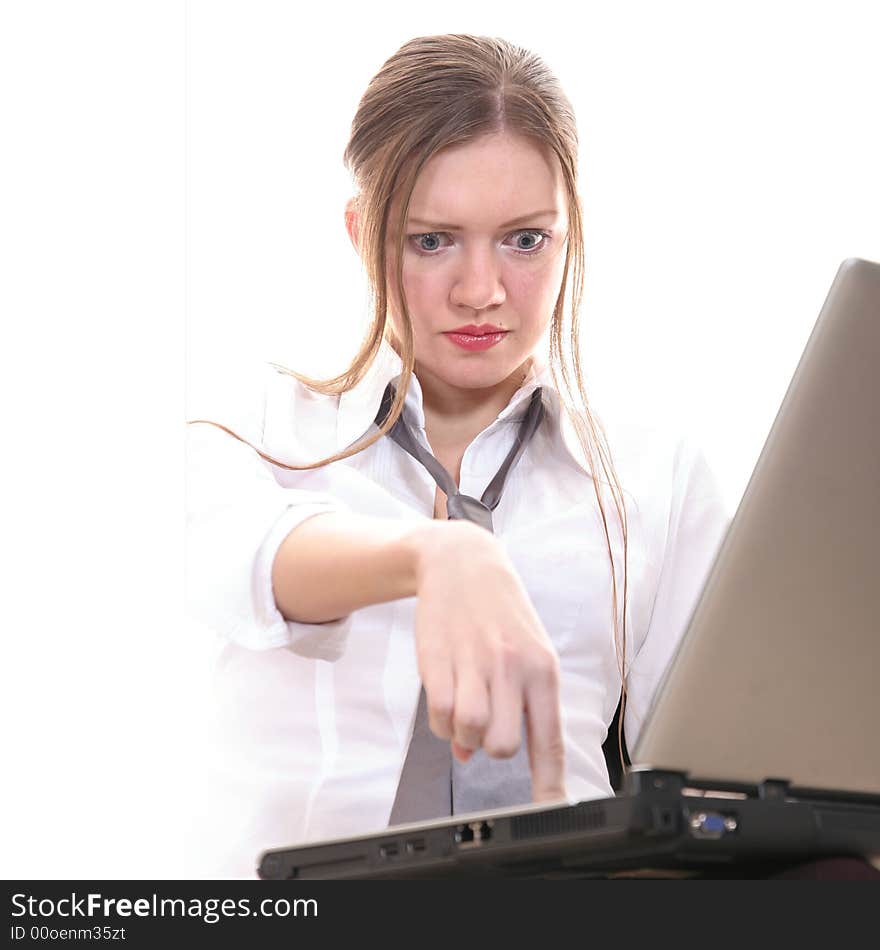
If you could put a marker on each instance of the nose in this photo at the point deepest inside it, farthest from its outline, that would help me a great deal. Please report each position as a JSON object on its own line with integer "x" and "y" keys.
{"x": 478, "y": 284}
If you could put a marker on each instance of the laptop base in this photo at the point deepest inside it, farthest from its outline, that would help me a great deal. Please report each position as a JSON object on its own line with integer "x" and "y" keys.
{"x": 662, "y": 824}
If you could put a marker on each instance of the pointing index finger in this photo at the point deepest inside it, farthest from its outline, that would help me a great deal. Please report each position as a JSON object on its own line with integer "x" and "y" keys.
{"x": 546, "y": 746}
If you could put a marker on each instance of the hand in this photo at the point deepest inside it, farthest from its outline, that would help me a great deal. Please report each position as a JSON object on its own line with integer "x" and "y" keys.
{"x": 484, "y": 655}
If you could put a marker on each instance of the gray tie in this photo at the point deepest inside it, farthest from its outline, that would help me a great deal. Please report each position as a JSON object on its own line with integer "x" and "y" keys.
{"x": 433, "y": 783}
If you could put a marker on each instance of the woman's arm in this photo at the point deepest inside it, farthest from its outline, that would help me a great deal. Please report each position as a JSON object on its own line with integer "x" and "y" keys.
{"x": 335, "y": 562}
{"x": 484, "y": 656}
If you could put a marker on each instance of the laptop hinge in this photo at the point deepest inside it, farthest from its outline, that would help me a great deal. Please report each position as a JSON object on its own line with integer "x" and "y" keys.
{"x": 653, "y": 780}
{"x": 773, "y": 789}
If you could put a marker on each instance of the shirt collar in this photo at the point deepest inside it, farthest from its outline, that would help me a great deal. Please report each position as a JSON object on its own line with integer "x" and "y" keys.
{"x": 358, "y": 406}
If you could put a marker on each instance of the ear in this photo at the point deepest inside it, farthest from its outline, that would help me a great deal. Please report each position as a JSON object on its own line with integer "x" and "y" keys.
{"x": 351, "y": 222}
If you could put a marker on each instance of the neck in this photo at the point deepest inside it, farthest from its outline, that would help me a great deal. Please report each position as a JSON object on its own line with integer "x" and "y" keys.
{"x": 454, "y": 416}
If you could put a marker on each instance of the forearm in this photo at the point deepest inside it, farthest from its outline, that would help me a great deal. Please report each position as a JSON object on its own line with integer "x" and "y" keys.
{"x": 334, "y": 563}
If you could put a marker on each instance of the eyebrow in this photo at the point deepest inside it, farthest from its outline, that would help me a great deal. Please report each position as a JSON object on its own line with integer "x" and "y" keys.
{"x": 458, "y": 227}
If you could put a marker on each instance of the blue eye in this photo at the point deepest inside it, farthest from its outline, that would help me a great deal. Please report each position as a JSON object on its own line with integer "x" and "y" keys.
{"x": 416, "y": 239}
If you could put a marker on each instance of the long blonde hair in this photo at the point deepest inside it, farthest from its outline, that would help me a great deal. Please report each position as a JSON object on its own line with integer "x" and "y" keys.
{"x": 435, "y": 92}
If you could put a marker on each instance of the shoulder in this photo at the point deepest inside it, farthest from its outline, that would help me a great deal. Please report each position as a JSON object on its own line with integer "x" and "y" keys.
{"x": 662, "y": 467}
{"x": 299, "y": 422}
{"x": 266, "y": 405}
{"x": 646, "y": 451}
{"x": 230, "y": 392}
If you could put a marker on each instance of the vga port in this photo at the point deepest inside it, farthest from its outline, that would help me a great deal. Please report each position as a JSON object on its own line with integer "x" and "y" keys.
{"x": 711, "y": 824}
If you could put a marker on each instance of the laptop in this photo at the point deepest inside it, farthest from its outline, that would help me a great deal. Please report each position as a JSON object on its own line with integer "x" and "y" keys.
{"x": 760, "y": 748}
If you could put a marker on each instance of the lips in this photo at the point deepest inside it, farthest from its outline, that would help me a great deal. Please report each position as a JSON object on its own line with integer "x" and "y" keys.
{"x": 473, "y": 342}
{"x": 472, "y": 329}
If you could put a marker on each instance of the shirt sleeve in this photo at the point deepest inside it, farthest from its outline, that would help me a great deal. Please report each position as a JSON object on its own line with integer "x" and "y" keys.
{"x": 698, "y": 521}
{"x": 237, "y": 515}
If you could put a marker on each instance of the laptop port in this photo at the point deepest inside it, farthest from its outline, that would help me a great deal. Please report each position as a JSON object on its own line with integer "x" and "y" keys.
{"x": 710, "y": 824}
{"x": 388, "y": 849}
{"x": 414, "y": 845}
{"x": 472, "y": 834}
{"x": 464, "y": 835}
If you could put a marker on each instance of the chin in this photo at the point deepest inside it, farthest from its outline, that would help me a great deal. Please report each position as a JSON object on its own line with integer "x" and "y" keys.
{"x": 479, "y": 377}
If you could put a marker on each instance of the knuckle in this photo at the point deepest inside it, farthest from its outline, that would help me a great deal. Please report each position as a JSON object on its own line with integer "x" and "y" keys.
{"x": 507, "y": 660}
{"x": 555, "y": 748}
{"x": 501, "y": 748}
{"x": 470, "y": 721}
{"x": 439, "y": 708}
{"x": 545, "y": 668}
{"x": 430, "y": 655}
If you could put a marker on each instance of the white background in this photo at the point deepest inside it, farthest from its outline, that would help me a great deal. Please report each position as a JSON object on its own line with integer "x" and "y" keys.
{"x": 173, "y": 198}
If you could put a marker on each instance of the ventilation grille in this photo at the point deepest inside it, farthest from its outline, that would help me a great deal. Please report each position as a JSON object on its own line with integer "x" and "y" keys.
{"x": 583, "y": 817}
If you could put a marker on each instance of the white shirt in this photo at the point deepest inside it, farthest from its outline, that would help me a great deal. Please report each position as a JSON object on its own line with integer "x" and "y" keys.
{"x": 312, "y": 721}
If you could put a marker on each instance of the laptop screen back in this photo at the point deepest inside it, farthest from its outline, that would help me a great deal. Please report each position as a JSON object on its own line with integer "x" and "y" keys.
{"x": 775, "y": 676}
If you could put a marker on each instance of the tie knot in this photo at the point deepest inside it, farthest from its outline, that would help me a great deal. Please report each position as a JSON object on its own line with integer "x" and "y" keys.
{"x": 459, "y": 506}
{"x": 465, "y": 508}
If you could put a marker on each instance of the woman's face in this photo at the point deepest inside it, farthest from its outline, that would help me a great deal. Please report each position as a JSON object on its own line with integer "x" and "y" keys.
{"x": 485, "y": 244}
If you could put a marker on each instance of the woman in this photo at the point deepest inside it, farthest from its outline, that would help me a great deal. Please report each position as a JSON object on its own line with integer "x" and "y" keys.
{"x": 501, "y": 571}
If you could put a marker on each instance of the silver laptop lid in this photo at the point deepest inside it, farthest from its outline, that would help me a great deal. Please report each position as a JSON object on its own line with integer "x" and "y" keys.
{"x": 776, "y": 675}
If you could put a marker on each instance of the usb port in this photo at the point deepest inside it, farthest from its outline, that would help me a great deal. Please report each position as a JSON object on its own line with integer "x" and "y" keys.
{"x": 388, "y": 850}
{"x": 415, "y": 845}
